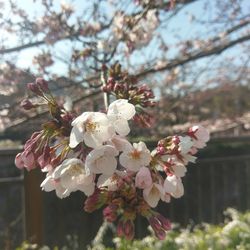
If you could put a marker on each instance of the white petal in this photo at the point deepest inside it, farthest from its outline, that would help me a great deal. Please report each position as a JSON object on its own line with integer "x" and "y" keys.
{"x": 124, "y": 159}
{"x": 119, "y": 142}
{"x": 81, "y": 118}
{"x": 152, "y": 195}
{"x": 169, "y": 186}
{"x": 121, "y": 126}
{"x": 87, "y": 189}
{"x": 100, "y": 118}
{"x": 67, "y": 182}
{"x": 48, "y": 184}
{"x": 57, "y": 171}
{"x": 102, "y": 180}
{"x": 179, "y": 170}
{"x": 106, "y": 165}
{"x": 122, "y": 108}
{"x": 91, "y": 140}
{"x": 76, "y": 136}
{"x": 62, "y": 192}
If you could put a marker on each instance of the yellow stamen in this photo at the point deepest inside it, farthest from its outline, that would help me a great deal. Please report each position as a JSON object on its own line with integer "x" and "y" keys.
{"x": 75, "y": 169}
{"x": 135, "y": 154}
{"x": 90, "y": 126}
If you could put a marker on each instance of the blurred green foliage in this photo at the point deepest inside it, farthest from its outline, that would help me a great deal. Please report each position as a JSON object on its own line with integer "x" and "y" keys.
{"x": 233, "y": 234}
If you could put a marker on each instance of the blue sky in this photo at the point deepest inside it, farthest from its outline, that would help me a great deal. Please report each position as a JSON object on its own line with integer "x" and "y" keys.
{"x": 180, "y": 25}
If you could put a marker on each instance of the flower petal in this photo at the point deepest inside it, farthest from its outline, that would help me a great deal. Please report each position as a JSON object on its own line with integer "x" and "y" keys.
{"x": 76, "y": 136}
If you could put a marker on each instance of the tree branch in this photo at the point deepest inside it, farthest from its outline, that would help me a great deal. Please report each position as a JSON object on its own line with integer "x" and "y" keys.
{"x": 194, "y": 56}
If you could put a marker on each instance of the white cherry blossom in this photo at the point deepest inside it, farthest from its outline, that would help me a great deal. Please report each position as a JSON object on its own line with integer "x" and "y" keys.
{"x": 173, "y": 185}
{"x": 68, "y": 177}
{"x": 185, "y": 144}
{"x": 143, "y": 178}
{"x": 50, "y": 184}
{"x": 119, "y": 142}
{"x": 200, "y": 135}
{"x": 110, "y": 182}
{"x": 136, "y": 156}
{"x": 102, "y": 160}
{"x": 93, "y": 128}
{"x": 178, "y": 167}
{"x": 153, "y": 194}
{"x": 119, "y": 112}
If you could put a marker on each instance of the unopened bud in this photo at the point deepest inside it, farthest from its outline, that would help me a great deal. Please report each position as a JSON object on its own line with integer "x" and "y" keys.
{"x": 166, "y": 224}
{"x": 27, "y": 104}
{"x": 129, "y": 230}
{"x": 160, "y": 234}
{"x": 43, "y": 84}
{"x": 161, "y": 150}
{"x": 34, "y": 88}
{"x": 19, "y": 161}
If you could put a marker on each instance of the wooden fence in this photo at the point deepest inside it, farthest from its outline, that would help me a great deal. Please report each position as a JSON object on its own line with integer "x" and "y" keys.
{"x": 211, "y": 185}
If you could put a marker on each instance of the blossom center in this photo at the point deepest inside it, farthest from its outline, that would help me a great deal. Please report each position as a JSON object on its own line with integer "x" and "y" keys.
{"x": 75, "y": 169}
{"x": 90, "y": 126}
{"x": 136, "y": 155}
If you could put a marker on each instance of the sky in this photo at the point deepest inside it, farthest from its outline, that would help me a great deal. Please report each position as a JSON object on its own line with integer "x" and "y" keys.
{"x": 182, "y": 25}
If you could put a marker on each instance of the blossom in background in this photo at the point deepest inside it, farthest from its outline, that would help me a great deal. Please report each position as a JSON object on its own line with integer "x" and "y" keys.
{"x": 93, "y": 128}
{"x": 102, "y": 160}
{"x": 68, "y": 177}
{"x": 136, "y": 156}
{"x": 119, "y": 113}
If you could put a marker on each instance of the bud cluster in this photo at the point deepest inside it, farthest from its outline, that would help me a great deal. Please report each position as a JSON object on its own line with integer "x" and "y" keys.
{"x": 124, "y": 86}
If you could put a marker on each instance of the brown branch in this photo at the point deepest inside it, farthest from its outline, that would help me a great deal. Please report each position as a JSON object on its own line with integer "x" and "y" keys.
{"x": 217, "y": 49}
{"x": 33, "y": 44}
{"x": 23, "y": 121}
{"x": 42, "y": 42}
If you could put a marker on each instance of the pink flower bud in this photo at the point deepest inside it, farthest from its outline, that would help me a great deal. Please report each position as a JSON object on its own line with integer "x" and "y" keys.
{"x": 111, "y": 81}
{"x": 43, "y": 84}
{"x": 95, "y": 201}
{"x": 34, "y": 88}
{"x": 109, "y": 213}
{"x": 28, "y": 160}
{"x": 44, "y": 159}
{"x": 19, "y": 161}
{"x": 164, "y": 222}
{"x": 27, "y": 104}
{"x": 119, "y": 229}
{"x": 118, "y": 87}
{"x": 155, "y": 223}
{"x": 160, "y": 150}
{"x": 176, "y": 140}
{"x": 105, "y": 88}
{"x": 160, "y": 234}
{"x": 129, "y": 231}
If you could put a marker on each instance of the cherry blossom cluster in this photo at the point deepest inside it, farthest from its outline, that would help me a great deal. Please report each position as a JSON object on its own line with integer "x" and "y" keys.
{"x": 167, "y": 4}
{"x": 91, "y": 153}
{"x": 137, "y": 31}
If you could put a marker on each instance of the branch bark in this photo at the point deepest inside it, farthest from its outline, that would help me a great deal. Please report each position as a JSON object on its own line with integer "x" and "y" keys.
{"x": 217, "y": 49}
